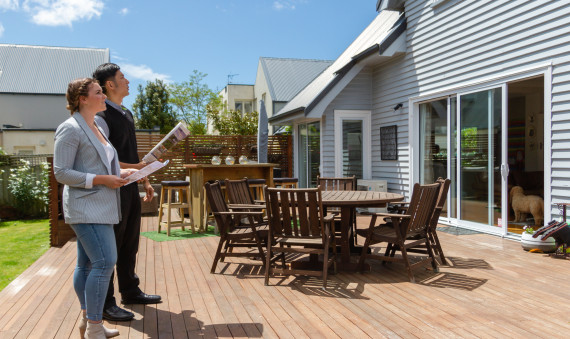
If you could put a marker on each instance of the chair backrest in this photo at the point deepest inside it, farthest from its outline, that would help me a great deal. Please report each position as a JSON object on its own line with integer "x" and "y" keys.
{"x": 441, "y": 198}
{"x": 239, "y": 192}
{"x": 217, "y": 203}
{"x": 295, "y": 212}
{"x": 421, "y": 208}
{"x": 337, "y": 184}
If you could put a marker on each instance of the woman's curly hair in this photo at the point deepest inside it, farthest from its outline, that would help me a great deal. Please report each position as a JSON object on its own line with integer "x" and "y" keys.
{"x": 76, "y": 89}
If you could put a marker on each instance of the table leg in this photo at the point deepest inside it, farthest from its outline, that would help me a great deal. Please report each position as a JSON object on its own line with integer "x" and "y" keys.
{"x": 347, "y": 242}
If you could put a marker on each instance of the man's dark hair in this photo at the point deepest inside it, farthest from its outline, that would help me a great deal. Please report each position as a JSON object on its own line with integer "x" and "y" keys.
{"x": 104, "y": 73}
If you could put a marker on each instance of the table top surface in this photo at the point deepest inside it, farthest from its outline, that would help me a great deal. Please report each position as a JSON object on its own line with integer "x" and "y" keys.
{"x": 236, "y": 165}
{"x": 358, "y": 198}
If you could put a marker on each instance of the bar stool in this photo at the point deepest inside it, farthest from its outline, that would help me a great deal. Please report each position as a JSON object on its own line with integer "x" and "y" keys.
{"x": 169, "y": 190}
{"x": 286, "y": 182}
{"x": 256, "y": 185}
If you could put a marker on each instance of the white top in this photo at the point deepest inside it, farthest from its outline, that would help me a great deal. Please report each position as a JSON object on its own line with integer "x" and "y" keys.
{"x": 110, "y": 151}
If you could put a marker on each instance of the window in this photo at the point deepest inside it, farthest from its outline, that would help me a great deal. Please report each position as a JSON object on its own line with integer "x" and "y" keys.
{"x": 244, "y": 106}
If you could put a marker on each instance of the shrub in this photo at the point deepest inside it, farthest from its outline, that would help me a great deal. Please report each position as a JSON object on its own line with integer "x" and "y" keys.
{"x": 26, "y": 188}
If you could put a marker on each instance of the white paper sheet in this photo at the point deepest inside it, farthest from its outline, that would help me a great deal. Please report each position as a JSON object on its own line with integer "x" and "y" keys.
{"x": 146, "y": 171}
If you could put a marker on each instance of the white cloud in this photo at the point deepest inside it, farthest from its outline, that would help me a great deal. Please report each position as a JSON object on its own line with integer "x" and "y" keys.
{"x": 62, "y": 12}
{"x": 143, "y": 72}
{"x": 284, "y": 4}
{"x": 124, "y": 11}
{"x": 1, "y": 29}
{"x": 9, "y": 5}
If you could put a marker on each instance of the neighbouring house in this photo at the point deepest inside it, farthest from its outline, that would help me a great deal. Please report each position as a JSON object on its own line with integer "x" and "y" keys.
{"x": 33, "y": 83}
{"x": 277, "y": 81}
{"x": 477, "y": 91}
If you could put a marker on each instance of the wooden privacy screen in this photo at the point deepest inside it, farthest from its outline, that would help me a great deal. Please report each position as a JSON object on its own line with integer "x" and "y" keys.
{"x": 200, "y": 149}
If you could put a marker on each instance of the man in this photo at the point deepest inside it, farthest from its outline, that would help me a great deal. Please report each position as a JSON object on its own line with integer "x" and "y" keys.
{"x": 118, "y": 124}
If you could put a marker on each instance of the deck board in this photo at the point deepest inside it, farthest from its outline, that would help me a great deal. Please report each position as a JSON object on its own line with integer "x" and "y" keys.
{"x": 491, "y": 290}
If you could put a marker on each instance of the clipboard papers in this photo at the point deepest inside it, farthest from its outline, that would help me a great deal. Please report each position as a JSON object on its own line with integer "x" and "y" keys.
{"x": 146, "y": 171}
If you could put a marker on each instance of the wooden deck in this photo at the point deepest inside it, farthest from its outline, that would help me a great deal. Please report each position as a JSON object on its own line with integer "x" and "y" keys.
{"x": 493, "y": 289}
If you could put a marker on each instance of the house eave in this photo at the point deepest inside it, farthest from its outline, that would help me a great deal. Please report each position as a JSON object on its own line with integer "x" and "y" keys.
{"x": 377, "y": 49}
{"x": 285, "y": 117}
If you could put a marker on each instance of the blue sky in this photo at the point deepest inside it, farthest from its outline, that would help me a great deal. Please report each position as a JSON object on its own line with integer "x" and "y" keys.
{"x": 169, "y": 39}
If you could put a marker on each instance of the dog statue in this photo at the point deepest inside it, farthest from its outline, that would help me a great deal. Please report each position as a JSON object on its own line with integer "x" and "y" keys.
{"x": 523, "y": 204}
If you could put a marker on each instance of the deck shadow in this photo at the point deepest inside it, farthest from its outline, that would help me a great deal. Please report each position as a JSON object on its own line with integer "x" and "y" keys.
{"x": 313, "y": 286}
{"x": 454, "y": 280}
{"x": 185, "y": 324}
{"x": 468, "y": 263}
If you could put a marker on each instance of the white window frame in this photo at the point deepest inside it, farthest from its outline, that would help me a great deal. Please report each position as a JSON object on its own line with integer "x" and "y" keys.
{"x": 366, "y": 117}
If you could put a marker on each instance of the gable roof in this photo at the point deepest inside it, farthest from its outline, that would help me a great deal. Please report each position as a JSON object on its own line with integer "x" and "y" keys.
{"x": 44, "y": 69}
{"x": 376, "y": 38}
{"x": 286, "y": 77}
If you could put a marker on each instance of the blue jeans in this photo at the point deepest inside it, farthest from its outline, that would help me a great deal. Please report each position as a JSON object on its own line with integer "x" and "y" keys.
{"x": 96, "y": 258}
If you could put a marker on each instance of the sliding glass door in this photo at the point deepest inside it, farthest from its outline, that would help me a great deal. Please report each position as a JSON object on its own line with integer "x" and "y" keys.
{"x": 480, "y": 150}
{"x": 461, "y": 138}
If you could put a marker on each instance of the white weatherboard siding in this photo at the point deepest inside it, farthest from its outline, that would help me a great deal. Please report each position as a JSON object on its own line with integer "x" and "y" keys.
{"x": 462, "y": 44}
{"x": 389, "y": 89}
{"x": 355, "y": 96}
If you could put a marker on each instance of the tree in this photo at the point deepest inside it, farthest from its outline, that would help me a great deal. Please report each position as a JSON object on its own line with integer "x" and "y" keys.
{"x": 232, "y": 122}
{"x": 152, "y": 108}
{"x": 190, "y": 99}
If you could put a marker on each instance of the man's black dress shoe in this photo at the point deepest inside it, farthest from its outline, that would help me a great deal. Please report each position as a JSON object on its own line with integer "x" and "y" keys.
{"x": 141, "y": 298}
{"x": 115, "y": 313}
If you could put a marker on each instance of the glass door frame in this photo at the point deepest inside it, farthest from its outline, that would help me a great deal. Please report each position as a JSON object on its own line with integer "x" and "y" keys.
{"x": 297, "y": 148}
{"x": 502, "y": 230}
{"x": 486, "y": 84}
{"x": 366, "y": 117}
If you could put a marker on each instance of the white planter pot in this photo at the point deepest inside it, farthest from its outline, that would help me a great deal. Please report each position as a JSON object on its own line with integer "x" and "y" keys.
{"x": 529, "y": 243}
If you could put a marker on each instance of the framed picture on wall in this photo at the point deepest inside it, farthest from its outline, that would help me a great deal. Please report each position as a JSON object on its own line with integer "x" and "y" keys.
{"x": 389, "y": 142}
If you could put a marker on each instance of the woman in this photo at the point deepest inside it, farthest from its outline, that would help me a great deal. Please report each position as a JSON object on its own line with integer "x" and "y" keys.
{"x": 88, "y": 165}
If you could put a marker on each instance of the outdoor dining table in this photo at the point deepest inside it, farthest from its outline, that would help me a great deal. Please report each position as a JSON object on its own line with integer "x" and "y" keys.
{"x": 201, "y": 173}
{"x": 348, "y": 201}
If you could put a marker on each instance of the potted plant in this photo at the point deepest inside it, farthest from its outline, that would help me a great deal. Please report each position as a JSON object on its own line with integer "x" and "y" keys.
{"x": 528, "y": 242}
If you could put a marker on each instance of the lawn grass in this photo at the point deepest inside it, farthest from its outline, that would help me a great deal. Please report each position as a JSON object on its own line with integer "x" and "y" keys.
{"x": 22, "y": 242}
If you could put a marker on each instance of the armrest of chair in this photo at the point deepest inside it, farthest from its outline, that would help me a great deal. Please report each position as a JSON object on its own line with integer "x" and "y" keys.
{"x": 244, "y": 206}
{"x": 386, "y": 215}
{"x": 328, "y": 221}
{"x": 328, "y": 218}
{"x": 238, "y": 213}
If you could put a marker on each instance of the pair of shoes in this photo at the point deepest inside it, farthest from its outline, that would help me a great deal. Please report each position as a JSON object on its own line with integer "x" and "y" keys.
{"x": 141, "y": 298}
{"x": 115, "y": 313}
{"x": 98, "y": 331}
{"x": 109, "y": 333}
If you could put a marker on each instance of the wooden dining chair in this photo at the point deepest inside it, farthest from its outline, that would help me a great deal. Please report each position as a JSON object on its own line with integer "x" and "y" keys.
{"x": 239, "y": 193}
{"x": 414, "y": 223}
{"x": 232, "y": 234}
{"x": 432, "y": 232}
{"x": 340, "y": 184}
{"x": 298, "y": 225}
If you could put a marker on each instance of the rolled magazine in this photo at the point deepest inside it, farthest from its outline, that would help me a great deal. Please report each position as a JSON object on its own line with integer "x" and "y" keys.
{"x": 178, "y": 133}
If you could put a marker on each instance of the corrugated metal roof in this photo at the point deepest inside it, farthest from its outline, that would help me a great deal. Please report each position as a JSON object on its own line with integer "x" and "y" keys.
{"x": 44, "y": 69}
{"x": 371, "y": 36}
{"x": 286, "y": 77}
